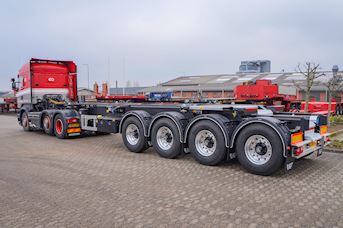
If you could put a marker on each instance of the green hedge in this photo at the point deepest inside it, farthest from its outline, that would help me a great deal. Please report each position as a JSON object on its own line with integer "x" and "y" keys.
{"x": 336, "y": 119}
{"x": 338, "y": 144}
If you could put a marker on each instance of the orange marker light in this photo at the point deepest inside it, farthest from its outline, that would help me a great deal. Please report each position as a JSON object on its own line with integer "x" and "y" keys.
{"x": 323, "y": 129}
{"x": 297, "y": 137}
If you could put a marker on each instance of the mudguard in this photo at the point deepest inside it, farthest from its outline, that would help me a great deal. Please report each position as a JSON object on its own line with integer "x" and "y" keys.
{"x": 180, "y": 121}
{"x": 143, "y": 116}
{"x": 221, "y": 121}
{"x": 278, "y": 126}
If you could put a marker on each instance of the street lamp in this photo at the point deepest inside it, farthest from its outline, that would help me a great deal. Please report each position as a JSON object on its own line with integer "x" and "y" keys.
{"x": 335, "y": 70}
{"x": 87, "y": 65}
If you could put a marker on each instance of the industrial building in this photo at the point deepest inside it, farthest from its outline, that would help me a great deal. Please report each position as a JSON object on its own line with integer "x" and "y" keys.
{"x": 222, "y": 85}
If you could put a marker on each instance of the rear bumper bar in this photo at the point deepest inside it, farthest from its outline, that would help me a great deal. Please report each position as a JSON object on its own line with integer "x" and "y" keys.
{"x": 315, "y": 143}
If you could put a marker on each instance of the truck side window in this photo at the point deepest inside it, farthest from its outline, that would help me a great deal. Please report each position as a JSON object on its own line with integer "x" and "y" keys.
{"x": 21, "y": 82}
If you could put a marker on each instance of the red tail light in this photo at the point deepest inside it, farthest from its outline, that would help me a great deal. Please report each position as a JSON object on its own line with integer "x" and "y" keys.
{"x": 298, "y": 151}
{"x": 73, "y": 120}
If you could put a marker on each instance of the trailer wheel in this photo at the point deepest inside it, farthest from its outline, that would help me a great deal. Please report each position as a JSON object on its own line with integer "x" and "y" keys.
{"x": 25, "y": 121}
{"x": 206, "y": 143}
{"x": 60, "y": 127}
{"x": 133, "y": 135}
{"x": 259, "y": 149}
{"x": 46, "y": 123}
{"x": 165, "y": 138}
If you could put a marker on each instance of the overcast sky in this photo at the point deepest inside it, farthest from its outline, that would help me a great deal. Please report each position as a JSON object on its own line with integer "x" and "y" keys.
{"x": 155, "y": 41}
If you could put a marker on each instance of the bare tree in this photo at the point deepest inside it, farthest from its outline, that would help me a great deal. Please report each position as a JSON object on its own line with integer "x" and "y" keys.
{"x": 311, "y": 72}
{"x": 333, "y": 86}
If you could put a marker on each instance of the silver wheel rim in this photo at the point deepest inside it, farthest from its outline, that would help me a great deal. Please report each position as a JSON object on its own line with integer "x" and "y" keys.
{"x": 164, "y": 138}
{"x": 46, "y": 122}
{"x": 205, "y": 143}
{"x": 258, "y": 149}
{"x": 25, "y": 120}
{"x": 132, "y": 134}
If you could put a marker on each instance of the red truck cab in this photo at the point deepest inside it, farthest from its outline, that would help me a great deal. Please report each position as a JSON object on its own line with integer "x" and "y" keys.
{"x": 39, "y": 77}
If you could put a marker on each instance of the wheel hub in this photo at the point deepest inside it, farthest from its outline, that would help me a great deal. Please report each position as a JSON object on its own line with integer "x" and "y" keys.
{"x": 209, "y": 142}
{"x": 258, "y": 149}
{"x": 59, "y": 126}
{"x": 261, "y": 149}
{"x": 132, "y": 134}
{"x": 164, "y": 138}
{"x": 205, "y": 142}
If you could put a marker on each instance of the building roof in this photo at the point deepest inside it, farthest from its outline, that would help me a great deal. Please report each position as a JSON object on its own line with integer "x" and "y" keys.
{"x": 6, "y": 94}
{"x": 81, "y": 91}
{"x": 228, "y": 82}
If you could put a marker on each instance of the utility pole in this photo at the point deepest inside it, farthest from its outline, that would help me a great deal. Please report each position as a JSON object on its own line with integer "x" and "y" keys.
{"x": 109, "y": 75}
{"x": 87, "y": 65}
{"x": 124, "y": 75}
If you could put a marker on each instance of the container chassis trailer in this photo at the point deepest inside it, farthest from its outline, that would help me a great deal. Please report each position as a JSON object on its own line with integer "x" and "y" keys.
{"x": 212, "y": 133}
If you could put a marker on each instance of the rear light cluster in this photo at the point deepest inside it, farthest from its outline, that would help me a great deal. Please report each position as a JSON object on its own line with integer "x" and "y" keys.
{"x": 73, "y": 126}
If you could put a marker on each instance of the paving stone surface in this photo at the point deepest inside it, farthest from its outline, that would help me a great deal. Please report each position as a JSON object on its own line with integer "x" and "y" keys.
{"x": 96, "y": 182}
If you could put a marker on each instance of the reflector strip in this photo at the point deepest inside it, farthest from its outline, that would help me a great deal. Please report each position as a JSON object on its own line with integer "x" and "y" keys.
{"x": 74, "y": 130}
{"x": 71, "y": 125}
{"x": 323, "y": 129}
{"x": 297, "y": 137}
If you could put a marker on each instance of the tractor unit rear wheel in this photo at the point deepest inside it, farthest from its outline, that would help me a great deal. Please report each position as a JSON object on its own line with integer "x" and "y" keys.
{"x": 25, "y": 123}
{"x": 46, "y": 124}
{"x": 133, "y": 135}
{"x": 165, "y": 138}
{"x": 60, "y": 127}
{"x": 259, "y": 149}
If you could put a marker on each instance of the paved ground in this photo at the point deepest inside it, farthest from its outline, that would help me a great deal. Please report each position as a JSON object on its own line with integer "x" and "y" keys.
{"x": 95, "y": 182}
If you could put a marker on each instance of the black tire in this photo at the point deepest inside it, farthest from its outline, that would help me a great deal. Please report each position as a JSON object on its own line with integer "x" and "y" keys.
{"x": 60, "y": 127}
{"x": 25, "y": 123}
{"x": 218, "y": 149}
{"x": 272, "y": 162}
{"x": 142, "y": 143}
{"x": 46, "y": 124}
{"x": 172, "y": 134}
{"x": 340, "y": 110}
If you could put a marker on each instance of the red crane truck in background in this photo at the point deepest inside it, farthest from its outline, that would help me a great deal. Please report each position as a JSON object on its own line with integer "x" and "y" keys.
{"x": 260, "y": 92}
{"x": 281, "y": 98}
{"x": 47, "y": 95}
{"x": 9, "y": 101}
{"x": 265, "y": 92}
